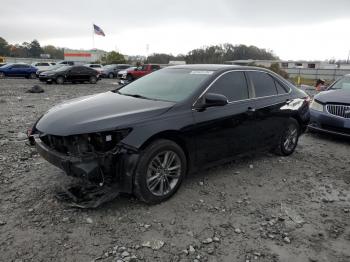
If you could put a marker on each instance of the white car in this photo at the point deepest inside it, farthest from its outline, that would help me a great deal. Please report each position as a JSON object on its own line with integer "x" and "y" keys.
{"x": 97, "y": 67}
{"x": 43, "y": 65}
{"x": 123, "y": 73}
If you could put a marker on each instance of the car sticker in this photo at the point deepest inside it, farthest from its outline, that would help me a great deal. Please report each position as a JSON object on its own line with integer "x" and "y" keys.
{"x": 201, "y": 72}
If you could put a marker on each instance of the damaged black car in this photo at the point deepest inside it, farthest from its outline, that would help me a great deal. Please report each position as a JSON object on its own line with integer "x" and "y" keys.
{"x": 146, "y": 136}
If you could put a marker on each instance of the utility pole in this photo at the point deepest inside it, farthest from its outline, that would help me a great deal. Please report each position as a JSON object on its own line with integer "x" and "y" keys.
{"x": 347, "y": 61}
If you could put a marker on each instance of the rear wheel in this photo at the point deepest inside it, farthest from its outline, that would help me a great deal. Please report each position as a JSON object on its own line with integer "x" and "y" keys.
{"x": 289, "y": 138}
{"x": 32, "y": 76}
{"x": 93, "y": 80}
{"x": 111, "y": 75}
{"x": 60, "y": 80}
{"x": 160, "y": 171}
{"x": 2, "y": 75}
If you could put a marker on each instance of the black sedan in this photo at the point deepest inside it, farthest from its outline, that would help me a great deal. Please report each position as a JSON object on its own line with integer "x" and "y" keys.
{"x": 73, "y": 74}
{"x": 147, "y": 135}
{"x": 330, "y": 110}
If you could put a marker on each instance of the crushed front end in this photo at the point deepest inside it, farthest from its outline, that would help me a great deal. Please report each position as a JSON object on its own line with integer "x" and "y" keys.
{"x": 99, "y": 159}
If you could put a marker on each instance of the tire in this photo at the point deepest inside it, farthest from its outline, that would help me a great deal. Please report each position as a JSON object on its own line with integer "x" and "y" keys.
{"x": 93, "y": 80}
{"x": 289, "y": 138}
{"x": 129, "y": 78}
{"x": 153, "y": 183}
{"x": 49, "y": 82}
{"x": 110, "y": 75}
{"x": 2, "y": 75}
{"x": 32, "y": 76}
{"x": 60, "y": 80}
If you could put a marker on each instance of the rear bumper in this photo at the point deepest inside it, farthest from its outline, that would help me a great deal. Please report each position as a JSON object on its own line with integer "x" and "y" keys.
{"x": 327, "y": 123}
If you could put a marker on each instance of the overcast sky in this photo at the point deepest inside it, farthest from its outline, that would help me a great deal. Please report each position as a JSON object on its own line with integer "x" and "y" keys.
{"x": 294, "y": 29}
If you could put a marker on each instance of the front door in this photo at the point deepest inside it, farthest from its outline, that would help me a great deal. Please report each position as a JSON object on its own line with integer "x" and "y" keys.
{"x": 222, "y": 132}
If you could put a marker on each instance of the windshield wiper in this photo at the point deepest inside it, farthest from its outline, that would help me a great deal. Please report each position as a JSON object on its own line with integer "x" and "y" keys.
{"x": 135, "y": 95}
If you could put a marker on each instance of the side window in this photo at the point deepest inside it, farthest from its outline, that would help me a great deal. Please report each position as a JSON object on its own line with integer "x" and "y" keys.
{"x": 233, "y": 85}
{"x": 280, "y": 88}
{"x": 154, "y": 67}
{"x": 263, "y": 84}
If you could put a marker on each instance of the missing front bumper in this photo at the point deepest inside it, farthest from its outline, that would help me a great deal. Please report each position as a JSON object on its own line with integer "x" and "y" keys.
{"x": 87, "y": 168}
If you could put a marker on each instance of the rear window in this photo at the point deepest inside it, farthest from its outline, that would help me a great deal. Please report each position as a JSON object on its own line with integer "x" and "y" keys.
{"x": 280, "y": 88}
{"x": 264, "y": 84}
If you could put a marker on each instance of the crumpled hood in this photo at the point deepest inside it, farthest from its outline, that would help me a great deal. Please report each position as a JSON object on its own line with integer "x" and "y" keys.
{"x": 96, "y": 113}
{"x": 334, "y": 96}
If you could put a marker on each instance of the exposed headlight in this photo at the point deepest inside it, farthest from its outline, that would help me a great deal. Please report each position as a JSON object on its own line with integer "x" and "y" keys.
{"x": 316, "y": 106}
{"x": 105, "y": 141}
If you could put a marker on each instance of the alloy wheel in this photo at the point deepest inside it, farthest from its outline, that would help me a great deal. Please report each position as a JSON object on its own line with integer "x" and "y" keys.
{"x": 291, "y": 138}
{"x": 163, "y": 173}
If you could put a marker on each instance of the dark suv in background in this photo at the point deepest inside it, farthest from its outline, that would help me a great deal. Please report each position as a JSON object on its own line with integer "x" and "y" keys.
{"x": 73, "y": 74}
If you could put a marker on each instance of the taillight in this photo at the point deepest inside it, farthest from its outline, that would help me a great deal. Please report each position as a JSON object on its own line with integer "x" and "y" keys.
{"x": 308, "y": 100}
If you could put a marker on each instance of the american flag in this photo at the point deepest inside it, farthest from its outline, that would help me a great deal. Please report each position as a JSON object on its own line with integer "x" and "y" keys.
{"x": 98, "y": 30}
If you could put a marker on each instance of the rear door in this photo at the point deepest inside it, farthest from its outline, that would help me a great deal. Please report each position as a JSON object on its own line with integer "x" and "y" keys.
{"x": 270, "y": 96}
{"x": 222, "y": 132}
{"x": 15, "y": 70}
{"x": 74, "y": 74}
{"x": 86, "y": 72}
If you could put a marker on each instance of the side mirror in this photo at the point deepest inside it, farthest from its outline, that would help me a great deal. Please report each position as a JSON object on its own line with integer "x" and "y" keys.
{"x": 213, "y": 99}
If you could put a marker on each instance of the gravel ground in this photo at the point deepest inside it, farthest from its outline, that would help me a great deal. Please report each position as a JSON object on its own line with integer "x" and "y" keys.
{"x": 258, "y": 208}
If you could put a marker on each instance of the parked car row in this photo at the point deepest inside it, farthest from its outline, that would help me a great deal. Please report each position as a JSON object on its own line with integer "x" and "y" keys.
{"x": 39, "y": 69}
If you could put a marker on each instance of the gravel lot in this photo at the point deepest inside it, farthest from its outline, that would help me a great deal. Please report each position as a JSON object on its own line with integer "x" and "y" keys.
{"x": 258, "y": 208}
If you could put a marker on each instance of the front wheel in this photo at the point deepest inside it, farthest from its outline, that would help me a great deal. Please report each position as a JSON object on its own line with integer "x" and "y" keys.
{"x": 111, "y": 75}
{"x": 60, "y": 80}
{"x": 289, "y": 138}
{"x": 93, "y": 80}
{"x": 2, "y": 75}
{"x": 129, "y": 78}
{"x": 160, "y": 171}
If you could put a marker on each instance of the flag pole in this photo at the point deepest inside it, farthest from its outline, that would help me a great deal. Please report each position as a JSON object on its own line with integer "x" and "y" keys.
{"x": 93, "y": 37}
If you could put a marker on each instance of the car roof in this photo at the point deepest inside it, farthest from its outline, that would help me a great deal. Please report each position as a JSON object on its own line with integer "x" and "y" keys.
{"x": 215, "y": 67}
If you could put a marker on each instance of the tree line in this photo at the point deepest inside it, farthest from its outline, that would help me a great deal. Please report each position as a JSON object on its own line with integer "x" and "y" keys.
{"x": 215, "y": 54}
{"x": 31, "y": 49}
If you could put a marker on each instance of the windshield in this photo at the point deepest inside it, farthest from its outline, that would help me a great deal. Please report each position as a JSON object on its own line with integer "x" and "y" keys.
{"x": 343, "y": 83}
{"x": 168, "y": 84}
{"x": 7, "y": 65}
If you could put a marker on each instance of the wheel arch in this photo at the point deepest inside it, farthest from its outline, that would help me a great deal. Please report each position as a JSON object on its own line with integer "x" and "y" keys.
{"x": 174, "y": 136}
